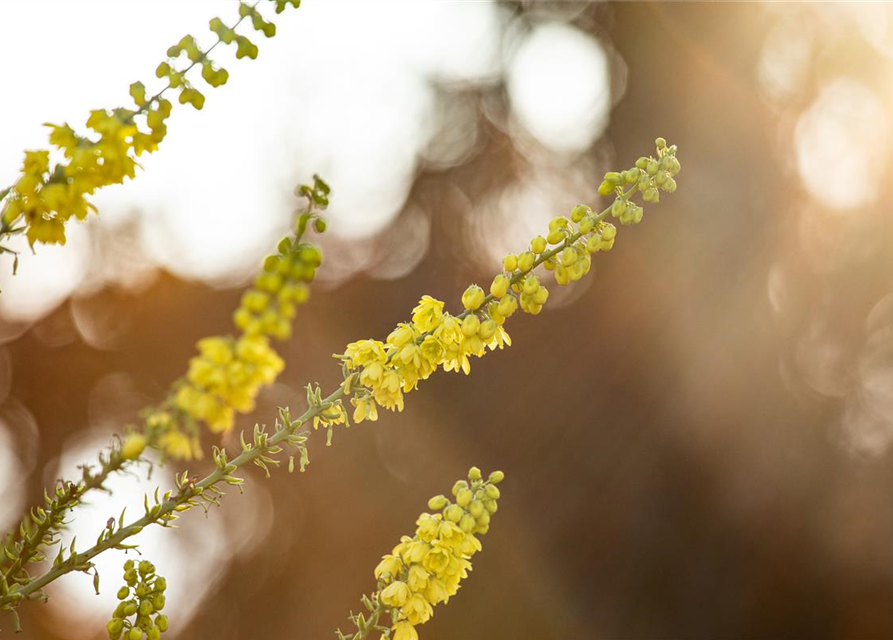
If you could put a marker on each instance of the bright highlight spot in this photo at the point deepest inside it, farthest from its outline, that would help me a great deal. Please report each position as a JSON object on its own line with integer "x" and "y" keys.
{"x": 559, "y": 86}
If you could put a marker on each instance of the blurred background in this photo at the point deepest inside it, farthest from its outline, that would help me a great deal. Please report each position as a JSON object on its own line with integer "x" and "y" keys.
{"x": 696, "y": 437}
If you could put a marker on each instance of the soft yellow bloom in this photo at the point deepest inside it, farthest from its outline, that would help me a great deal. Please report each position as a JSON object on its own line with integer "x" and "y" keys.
{"x": 389, "y": 565}
{"x": 395, "y": 594}
{"x": 427, "y": 314}
{"x": 364, "y": 409}
{"x": 405, "y": 631}
{"x": 417, "y": 579}
{"x": 416, "y": 609}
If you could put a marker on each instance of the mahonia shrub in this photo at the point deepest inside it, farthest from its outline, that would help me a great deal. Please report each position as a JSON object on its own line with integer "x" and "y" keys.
{"x": 422, "y": 571}
{"x": 224, "y": 378}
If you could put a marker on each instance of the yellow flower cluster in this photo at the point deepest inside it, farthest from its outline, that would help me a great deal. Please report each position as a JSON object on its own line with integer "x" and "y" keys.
{"x": 380, "y": 373}
{"x": 225, "y": 378}
{"x": 47, "y": 195}
{"x": 227, "y": 374}
{"x": 141, "y": 598}
{"x": 426, "y": 569}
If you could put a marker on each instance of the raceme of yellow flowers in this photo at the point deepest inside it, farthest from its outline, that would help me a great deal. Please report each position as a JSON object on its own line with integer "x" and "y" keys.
{"x": 435, "y": 339}
{"x": 426, "y": 569}
{"x": 226, "y": 376}
{"x": 48, "y": 194}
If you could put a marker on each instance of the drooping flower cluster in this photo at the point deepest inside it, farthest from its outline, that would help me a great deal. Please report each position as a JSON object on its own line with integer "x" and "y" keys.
{"x": 138, "y": 615}
{"x": 227, "y": 374}
{"x": 426, "y": 569}
{"x": 382, "y": 372}
{"x": 48, "y": 194}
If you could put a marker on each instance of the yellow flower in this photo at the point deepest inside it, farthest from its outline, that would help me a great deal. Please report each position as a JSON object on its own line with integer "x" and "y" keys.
{"x": 389, "y": 392}
{"x": 417, "y": 579}
{"x": 405, "y": 631}
{"x": 364, "y": 409}
{"x": 427, "y": 314}
{"x": 416, "y": 609}
{"x": 365, "y": 352}
{"x": 389, "y": 565}
{"x": 395, "y": 594}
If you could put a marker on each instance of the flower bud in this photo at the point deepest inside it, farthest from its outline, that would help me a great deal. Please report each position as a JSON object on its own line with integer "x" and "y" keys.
{"x": 146, "y": 568}
{"x": 538, "y": 244}
{"x": 476, "y": 508}
{"x": 454, "y": 513}
{"x": 470, "y": 325}
{"x": 556, "y": 236}
{"x": 158, "y": 602}
{"x": 146, "y": 608}
{"x": 463, "y": 498}
{"x": 133, "y": 446}
{"x": 605, "y": 188}
{"x": 496, "y": 477}
{"x": 467, "y": 523}
{"x": 460, "y": 484}
{"x": 115, "y": 627}
{"x": 487, "y": 329}
{"x": 492, "y": 491}
{"x": 507, "y": 306}
{"x": 437, "y": 503}
{"x": 531, "y": 284}
{"x": 541, "y": 295}
{"x": 652, "y": 167}
{"x": 613, "y": 178}
{"x": 473, "y": 297}
{"x": 135, "y": 634}
{"x": 153, "y": 633}
{"x": 474, "y": 474}
{"x": 660, "y": 143}
{"x": 510, "y": 262}
{"x": 586, "y": 225}
{"x": 579, "y": 212}
{"x": 123, "y": 593}
{"x": 500, "y": 285}
{"x": 161, "y": 622}
{"x": 526, "y": 260}
{"x": 569, "y": 256}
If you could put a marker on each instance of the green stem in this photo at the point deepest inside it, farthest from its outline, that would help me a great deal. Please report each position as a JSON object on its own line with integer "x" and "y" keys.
{"x": 166, "y": 508}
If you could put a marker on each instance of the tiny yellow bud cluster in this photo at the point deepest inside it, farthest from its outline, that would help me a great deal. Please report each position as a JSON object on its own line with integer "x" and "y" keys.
{"x": 269, "y": 307}
{"x": 649, "y": 177}
{"x": 138, "y": 615}
{"x": 46, "y": 196}
{"x": 228, "y": 373}
{"x": 426, "y": 569}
